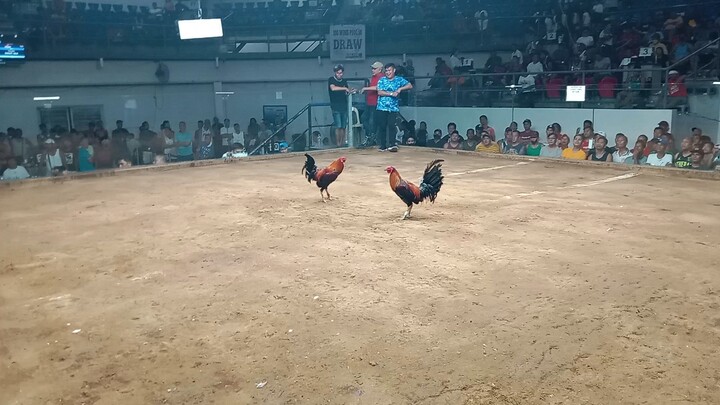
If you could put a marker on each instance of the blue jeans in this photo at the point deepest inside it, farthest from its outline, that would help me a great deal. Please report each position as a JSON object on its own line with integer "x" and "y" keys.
{"x": 340, "y": 119}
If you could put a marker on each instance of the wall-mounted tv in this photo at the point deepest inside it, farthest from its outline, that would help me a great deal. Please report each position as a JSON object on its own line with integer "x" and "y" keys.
{"x": 11, "y": 53}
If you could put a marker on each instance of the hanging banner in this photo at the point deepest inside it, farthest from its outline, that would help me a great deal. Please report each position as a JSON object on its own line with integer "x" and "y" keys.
{"x": 347, "y": 42}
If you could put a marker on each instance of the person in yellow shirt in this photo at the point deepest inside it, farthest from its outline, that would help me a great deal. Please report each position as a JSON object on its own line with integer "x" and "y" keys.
{"x": 576, "y": 152}
{"x": 487, "y": 145}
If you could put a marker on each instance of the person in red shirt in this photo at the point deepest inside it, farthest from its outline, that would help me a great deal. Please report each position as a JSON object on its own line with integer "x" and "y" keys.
{"x": 371, "y": 99}
{"x": 528, "y": 132}
{"x": 677, "y": 90}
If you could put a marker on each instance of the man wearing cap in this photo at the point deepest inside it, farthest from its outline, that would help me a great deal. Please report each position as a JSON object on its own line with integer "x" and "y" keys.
{"x": 371, "y": 100}
{"x": 388, "y": 89}
{"x": 486, "y": 144}
{"x": 660, "y": 157}
{"x": 338, "y": 90}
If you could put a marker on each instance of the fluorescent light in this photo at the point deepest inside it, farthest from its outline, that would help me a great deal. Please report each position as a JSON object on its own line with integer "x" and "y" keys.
{"x": 50, "y": 98}
{"x": 716, "y": 83}
{"x": 195, "y": 29}
{"x": 224, "y": 93}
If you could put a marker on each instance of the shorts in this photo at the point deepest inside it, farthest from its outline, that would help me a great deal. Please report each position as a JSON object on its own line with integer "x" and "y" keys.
{"x": 340, "y": 119}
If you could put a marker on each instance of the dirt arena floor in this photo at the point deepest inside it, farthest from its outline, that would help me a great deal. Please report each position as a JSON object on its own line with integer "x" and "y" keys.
{"x": 525, "y": 283}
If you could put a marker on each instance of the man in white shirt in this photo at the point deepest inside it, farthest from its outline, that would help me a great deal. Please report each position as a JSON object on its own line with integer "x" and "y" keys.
{"x": 13, "y": 171}
{"x": 660, "y": 158}
{"x": 535, "y": 66}
{"x": 454, "y": 60}
{"x": 226, "y": 133}
{"x": 586, "y": 39}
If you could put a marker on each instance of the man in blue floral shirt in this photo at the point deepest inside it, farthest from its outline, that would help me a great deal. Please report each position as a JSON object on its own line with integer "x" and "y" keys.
{"x": 388, "y": 90}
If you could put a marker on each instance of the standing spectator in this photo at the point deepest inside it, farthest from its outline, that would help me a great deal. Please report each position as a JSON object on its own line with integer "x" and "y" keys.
{"x": 238, "y": 136}
{"x": 119, "y": 141}
{"x": 486, "y": 127}
{"x": 528, "y": 132}
{"x": 184, "y": 144}
{"x": 677, "y": 90}
{"x": 252, "y": 135}
{"x": 388, "y": 88}
{"x": 338, "y": 90}
{"x": 421, "y": 135}
{"x": 206, "y": 150}
{"x": 100, "y": 131}
{"x": 42, "y": 136}
{"x": 13, "y": 171}
{"x": 103, "y": 154}
{"x": 198, "y": 136}
{"x": 86, "y": 159}
{"x": 371, "y": 100}
{"x": 54, "y": 159}
{"x": 551, "y": 150}
{"x": 226, "y": 136}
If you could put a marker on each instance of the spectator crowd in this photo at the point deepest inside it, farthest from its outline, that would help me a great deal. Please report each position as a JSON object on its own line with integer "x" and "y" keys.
{"x": 696, "y": 151}
{"x": 58, "y": 151}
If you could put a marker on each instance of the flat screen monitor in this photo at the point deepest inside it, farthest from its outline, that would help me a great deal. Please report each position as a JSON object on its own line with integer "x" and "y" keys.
{"x": 11, "y": 53}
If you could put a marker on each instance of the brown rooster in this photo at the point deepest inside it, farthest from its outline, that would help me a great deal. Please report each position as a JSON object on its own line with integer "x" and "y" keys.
{"x": 411, "y": 194}
{"x": 323, "y": 178}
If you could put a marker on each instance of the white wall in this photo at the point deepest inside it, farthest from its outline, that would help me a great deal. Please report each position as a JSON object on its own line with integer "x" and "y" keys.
{"x": 630, "y": 122}
{"x": 703, "y": 113}
{"x": 132, "y": 104}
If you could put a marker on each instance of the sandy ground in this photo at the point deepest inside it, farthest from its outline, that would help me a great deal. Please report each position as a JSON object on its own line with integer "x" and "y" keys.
{"x": 525, "y": 283}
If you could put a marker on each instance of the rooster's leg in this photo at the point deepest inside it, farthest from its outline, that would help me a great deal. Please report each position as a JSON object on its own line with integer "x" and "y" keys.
{"x": 407, "y": 212}
{"x": 322, "y": 196}
{"x": 328, "y": 194}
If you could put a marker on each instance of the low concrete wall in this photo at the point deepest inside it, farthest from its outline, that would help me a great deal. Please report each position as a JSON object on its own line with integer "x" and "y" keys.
{"x": 649, "y": 170}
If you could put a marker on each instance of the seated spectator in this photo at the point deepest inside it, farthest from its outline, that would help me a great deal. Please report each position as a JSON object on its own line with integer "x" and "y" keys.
{"x": 534, "y": 147}
{"x": 600, "y": 153}
{"x": 564, "y": 142}
{"x": 86, "y": 159}
{"x": 638, "y": 154}
{"x": 660, "y": 158}
{"x": 709, "y": 160}
{"x": 535, "y": 66}
{"x": 410, "y": 141}
{"x": 682, "y": 159}
{"x": 487, "y": 145}
{"x": 206, "y": 149}
{"x": 601, "y": 62}
{"x": 576, "y": 152}
{"x": 621, "y": 151}
{"x": 551, "y": 150}
{"x": 696, "y": 160}
{"x": 513, "y": 146}
{"x": 437, "y": 141}
{"x": 455, "y": 141}
{"x": 471, "y": 140}
{"x": 13, "y": 171}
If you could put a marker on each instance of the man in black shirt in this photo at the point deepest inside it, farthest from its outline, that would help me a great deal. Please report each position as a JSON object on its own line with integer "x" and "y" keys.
{"x": 338, "y": 90}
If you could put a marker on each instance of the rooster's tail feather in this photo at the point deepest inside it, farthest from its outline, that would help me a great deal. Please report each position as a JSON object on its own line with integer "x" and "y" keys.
{"x": 309, "y": 169}
{"x": 432, "y": 180}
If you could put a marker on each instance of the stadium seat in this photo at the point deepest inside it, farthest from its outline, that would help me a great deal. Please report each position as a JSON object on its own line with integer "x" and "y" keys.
{"x": 606, "y": 87}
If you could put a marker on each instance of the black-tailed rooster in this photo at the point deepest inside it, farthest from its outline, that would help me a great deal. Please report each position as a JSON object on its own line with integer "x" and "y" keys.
{"x": 323, "y": 178}
{"x": 411, "y": 194}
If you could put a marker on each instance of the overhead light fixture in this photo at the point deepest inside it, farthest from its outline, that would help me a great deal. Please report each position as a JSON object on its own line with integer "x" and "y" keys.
{"x": 203, "y": 28}
{"x": 50, "y": 98}
{"x": 716, "y": 83}
{"x": 224, "y": 93}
